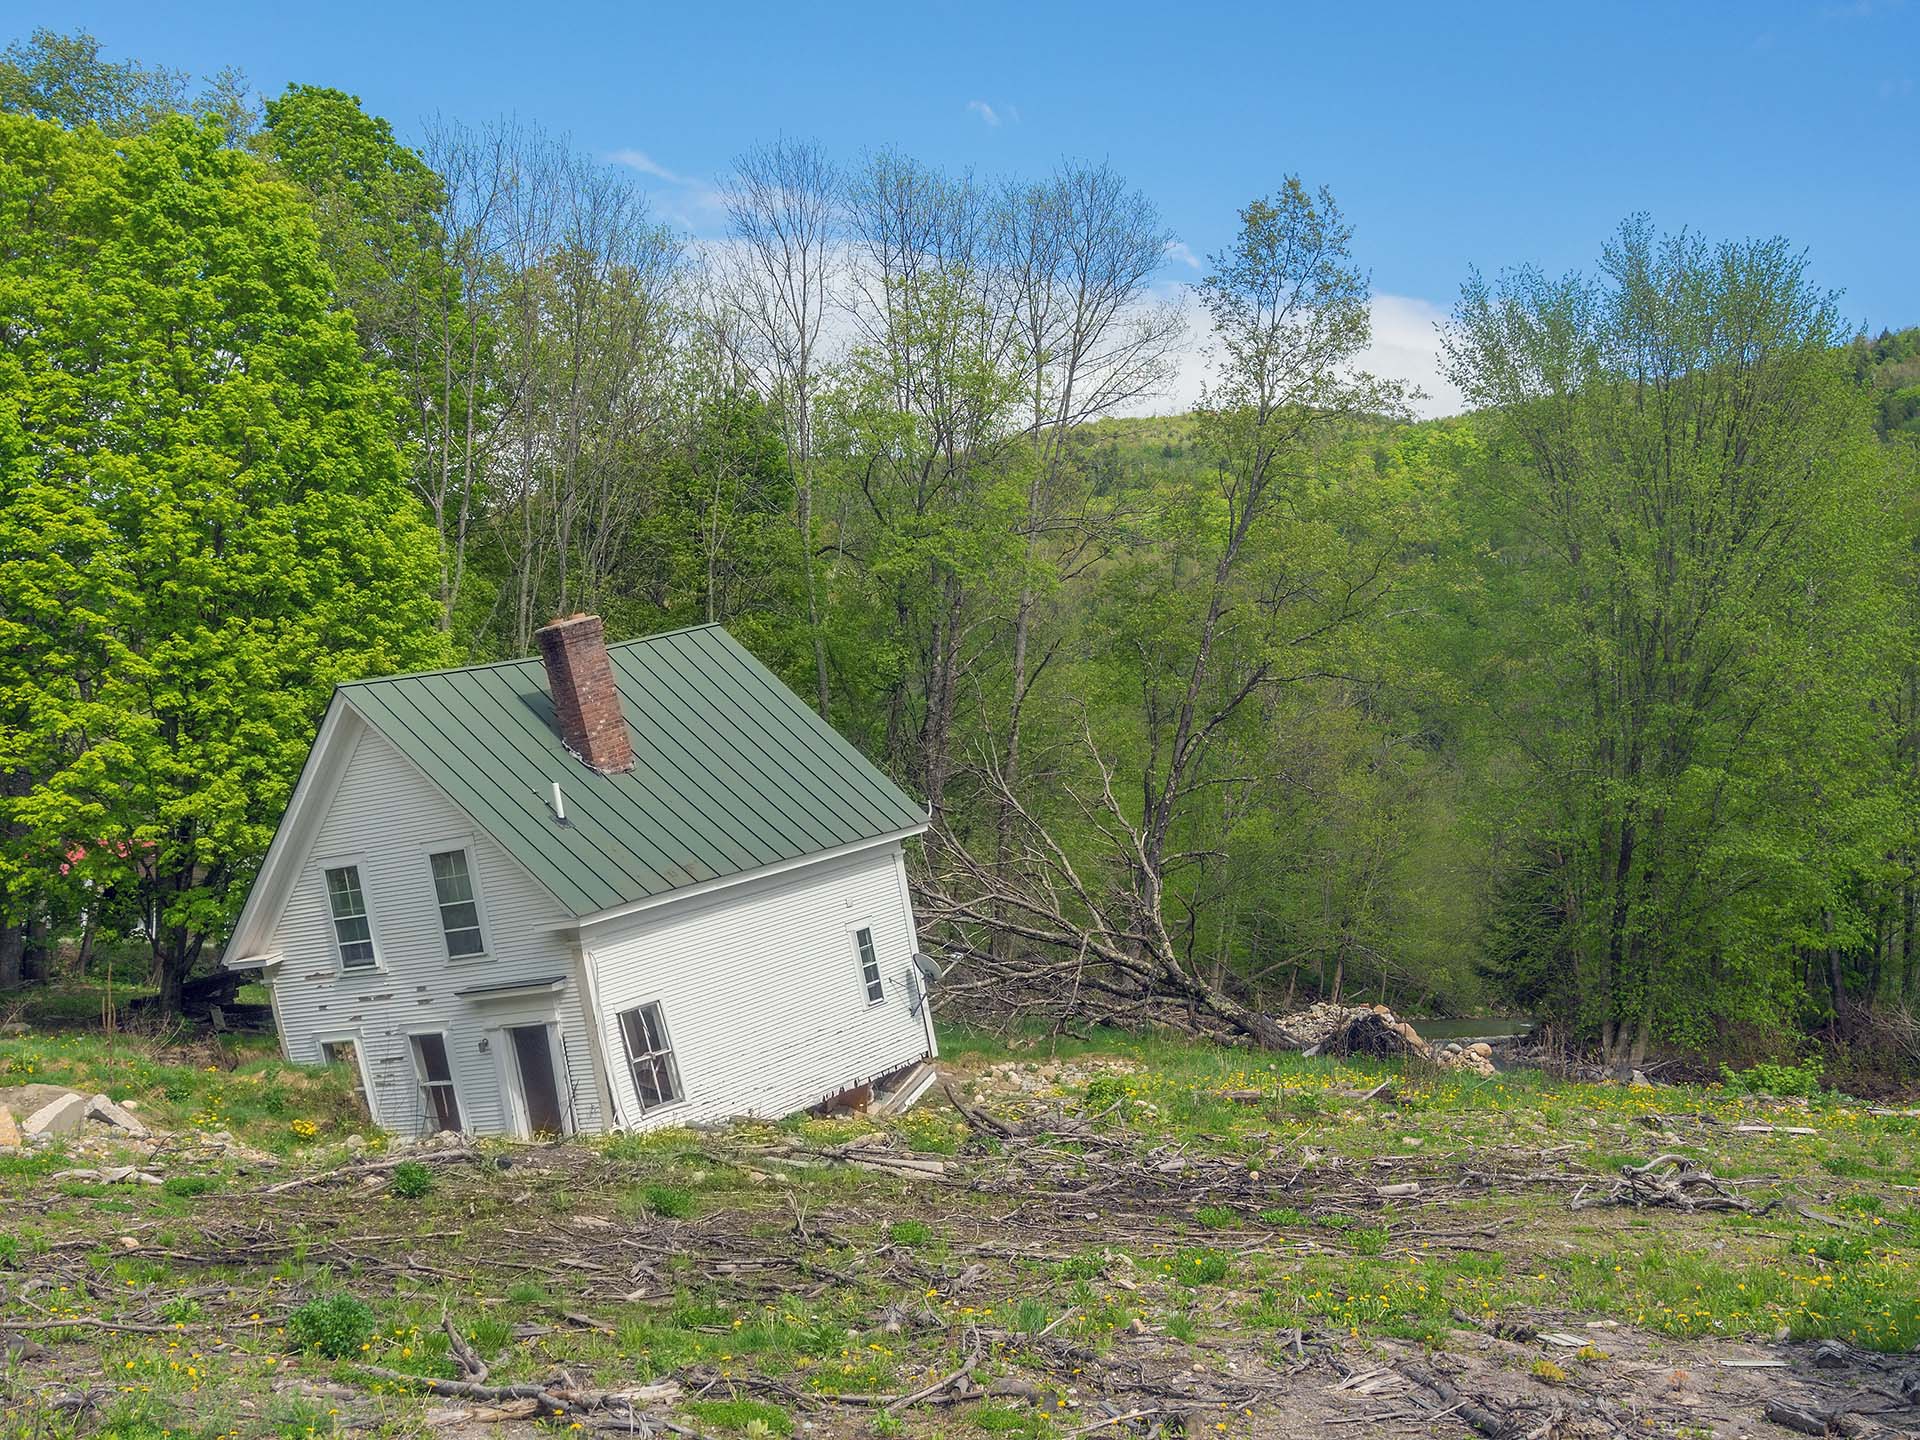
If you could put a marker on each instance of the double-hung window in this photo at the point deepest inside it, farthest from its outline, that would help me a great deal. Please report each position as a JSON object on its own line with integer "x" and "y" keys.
{"x": 459, "y": 910}
{"x": 352, "y": 929}
{"x": 869, "y": 965}
{"x": 656, "y": 1079}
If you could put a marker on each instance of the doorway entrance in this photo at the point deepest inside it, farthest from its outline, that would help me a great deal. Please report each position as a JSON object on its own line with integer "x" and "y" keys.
{"x": 539, "y": 1088}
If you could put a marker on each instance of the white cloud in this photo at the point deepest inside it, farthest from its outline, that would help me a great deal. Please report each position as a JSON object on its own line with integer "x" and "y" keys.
{"x": 1406, "y": 347}
{"x": 686, "y": 200}
{"x": 1183, "y": 252}
{"x": 646, "y": 165}
{"x": 985, "y": 111}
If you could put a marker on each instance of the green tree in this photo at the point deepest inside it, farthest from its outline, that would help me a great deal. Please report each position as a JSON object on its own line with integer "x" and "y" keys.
{"x": 1683, "y": 535}
{"x": 63, "y": 78}
{"x": 202, "y": 516}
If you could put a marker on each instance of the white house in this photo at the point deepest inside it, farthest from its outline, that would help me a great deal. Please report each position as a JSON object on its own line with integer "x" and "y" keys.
{"x": 615, "y": 887}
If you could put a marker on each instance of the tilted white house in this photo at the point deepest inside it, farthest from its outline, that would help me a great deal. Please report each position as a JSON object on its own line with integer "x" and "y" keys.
{"x": 615, "y": 887}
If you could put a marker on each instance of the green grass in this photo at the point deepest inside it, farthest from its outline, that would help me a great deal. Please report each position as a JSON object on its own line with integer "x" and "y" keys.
{"x": 866, "y": 1303}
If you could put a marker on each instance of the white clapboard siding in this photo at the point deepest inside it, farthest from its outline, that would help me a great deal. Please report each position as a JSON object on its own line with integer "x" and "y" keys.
{"x": 385, "y": 817}
{"x": 761, "y": 989}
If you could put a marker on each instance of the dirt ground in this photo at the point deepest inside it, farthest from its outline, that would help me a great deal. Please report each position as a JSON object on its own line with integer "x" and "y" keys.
{"x": 1007, "y": 1262}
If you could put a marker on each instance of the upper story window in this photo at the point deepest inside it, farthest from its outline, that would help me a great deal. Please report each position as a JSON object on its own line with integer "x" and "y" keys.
{"x": 352, "y": 930}
{"x": 869, "y": 965}
{"x": 459, "y": 911}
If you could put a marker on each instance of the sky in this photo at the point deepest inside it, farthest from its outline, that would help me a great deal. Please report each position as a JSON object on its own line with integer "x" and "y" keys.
{"x": 1483, "y": 135}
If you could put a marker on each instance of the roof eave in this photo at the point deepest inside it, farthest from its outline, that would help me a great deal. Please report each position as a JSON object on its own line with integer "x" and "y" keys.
{"x": 727, "y": 882}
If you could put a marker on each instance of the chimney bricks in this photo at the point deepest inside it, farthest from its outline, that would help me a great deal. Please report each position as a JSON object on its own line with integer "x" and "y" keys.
{"x": 586, "y": 701}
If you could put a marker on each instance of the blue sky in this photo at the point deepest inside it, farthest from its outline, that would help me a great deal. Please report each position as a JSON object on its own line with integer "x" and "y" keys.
{"x": 1484, "y": 134}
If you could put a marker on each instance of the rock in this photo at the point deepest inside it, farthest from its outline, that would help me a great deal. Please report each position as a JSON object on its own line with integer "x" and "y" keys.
{"x": 1482, "y": 1049}
{"x": 9, "y": 1132}
{"x": 57, "y": 1117}
{"x": 1639, "y": 1079}
{"x": 103, "y": 1109}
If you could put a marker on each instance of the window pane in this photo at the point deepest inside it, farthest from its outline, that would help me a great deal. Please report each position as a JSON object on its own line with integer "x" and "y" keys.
{"x": 343, "y": 891}
{"x": 463, "y": 915}
{"x": 433, "y": 1057}
{"x": 461, "y": 943}
{"x": 451, "y": 878}
{"x": 869, "y": 965}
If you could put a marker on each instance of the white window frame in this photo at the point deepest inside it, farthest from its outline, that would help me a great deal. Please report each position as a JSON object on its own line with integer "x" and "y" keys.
{"x": 867, "y": 987}
{"x": 672, "y": 1056}
{"x": 421, "y": 1082}
{"x": 464, "y": 844}
{"x": 357, "y": 862}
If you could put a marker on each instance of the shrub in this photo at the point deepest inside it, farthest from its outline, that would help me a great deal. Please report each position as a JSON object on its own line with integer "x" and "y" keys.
{"x": 1202, "y": 1267}
{"x": 411, "y": 1180}
{"x": 755, "y": 1419}
{"x": 1217, "y": 1217}
{"x": 1106, "y": 1091}
{"x": 1771, "y": 1078}
{"x": 1367, "y": 1239}
{"x": 668, "y": 1201}
{"x": 337, "y": 1325}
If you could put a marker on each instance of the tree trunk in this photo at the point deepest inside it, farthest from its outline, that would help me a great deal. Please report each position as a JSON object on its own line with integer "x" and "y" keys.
{"x": 12, "y": 947}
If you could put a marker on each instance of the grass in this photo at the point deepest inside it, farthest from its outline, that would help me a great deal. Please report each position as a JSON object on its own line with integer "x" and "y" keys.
{"x": 865, "y": 1293}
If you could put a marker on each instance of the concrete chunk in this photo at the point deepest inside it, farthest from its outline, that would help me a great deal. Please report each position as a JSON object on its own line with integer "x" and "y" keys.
{"x": 103, "y": 1109}
{"x": 56, "y": 1117}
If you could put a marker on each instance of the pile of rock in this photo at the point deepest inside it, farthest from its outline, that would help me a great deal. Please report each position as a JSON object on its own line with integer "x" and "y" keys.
{"x": 1325, "y": 1028}
{"x": 40, "y": 1114}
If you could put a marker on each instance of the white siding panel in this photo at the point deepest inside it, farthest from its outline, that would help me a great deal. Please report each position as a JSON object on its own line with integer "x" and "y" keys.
{"x": 761, "y": 989}
{"x": 386, "y": 817}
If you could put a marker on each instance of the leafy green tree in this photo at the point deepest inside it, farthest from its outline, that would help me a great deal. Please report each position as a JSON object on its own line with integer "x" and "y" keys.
{"x": 63, "y": 78}
{"x": 202, "y": 514}
{"x": 1681, "y": 524}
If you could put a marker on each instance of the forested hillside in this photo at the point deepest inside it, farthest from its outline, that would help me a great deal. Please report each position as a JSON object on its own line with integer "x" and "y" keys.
{"x": 1597, "y": 702}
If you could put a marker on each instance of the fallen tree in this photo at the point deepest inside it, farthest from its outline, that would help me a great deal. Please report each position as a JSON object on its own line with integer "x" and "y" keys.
{"x": 1256, "y": 588}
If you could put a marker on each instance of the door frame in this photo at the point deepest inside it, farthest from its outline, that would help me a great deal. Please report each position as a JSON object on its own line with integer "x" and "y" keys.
{"x": 353, "y": 1037}
{"x": 513, "y": 1084}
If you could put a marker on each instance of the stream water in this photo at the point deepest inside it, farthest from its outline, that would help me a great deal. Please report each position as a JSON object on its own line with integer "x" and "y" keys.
{"x": 1473, "y": 1027}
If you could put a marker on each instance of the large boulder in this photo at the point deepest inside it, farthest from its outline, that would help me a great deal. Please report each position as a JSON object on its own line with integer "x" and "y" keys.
{"x": 57, "y": 1117}
{"x": 104, "y": 1110}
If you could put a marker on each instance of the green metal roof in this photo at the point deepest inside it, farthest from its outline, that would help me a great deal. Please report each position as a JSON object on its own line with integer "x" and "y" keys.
{"x": 731, "y": 771}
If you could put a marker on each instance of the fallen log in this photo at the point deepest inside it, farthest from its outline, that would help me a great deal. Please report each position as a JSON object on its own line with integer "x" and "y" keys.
{"x": 1494, "y": 1427}
{"x": 1673, "y": 1181}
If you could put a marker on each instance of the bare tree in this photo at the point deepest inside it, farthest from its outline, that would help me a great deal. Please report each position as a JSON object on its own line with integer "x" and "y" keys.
{"x": 1080, "y": 250}
{"x": 1289, "y": 314}
{"x": 783, "y": 207}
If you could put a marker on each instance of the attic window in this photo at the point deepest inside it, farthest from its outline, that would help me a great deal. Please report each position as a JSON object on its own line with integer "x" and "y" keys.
{"x": 459, "y": 911}
{"x": 351, "y": 927}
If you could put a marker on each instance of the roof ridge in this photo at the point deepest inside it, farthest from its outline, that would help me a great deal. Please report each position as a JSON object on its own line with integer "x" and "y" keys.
{"x": 526, "y": 659}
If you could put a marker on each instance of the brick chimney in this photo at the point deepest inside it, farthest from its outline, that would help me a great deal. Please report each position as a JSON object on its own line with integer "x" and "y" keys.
{"x": 586, "y": 701}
